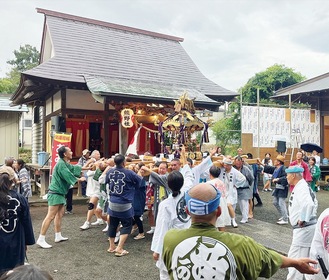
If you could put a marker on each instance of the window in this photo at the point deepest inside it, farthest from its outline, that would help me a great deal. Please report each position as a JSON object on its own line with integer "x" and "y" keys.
{"x": 27, "y": 123}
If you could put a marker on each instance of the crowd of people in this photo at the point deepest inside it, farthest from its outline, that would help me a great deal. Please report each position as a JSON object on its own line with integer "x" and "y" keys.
{"x": 198, "y": 200}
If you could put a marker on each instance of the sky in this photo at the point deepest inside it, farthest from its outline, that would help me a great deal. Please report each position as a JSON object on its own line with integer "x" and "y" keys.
{"x": 229, "y": 41}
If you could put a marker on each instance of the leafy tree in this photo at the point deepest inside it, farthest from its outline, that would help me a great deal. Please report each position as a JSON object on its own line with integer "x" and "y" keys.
{"x": 228, "y": 130}
{"x": 26, "y": 58}
{"x": 6, "y": 85}
{"x": 272, "y": 79}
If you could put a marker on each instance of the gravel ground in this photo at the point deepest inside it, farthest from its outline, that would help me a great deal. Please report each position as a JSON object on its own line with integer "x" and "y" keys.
{"x": 268, "y": 213}
{"x": 84, "y": 255}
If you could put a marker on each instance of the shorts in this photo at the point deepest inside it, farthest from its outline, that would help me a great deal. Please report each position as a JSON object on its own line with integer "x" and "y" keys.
{"x": 126, "y": 225}
{"x": 56, "y": 199}
{"x": 103, "y": 205}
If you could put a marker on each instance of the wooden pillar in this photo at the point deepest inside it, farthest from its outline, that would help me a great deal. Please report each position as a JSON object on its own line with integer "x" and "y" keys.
{"x": 63, "y": 102}
{"x": 123, "y": 139}
{"x": 106, "y": 123}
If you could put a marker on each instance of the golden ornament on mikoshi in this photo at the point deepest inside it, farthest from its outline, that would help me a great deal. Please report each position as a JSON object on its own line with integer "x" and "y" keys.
{"x": 183, "y": 122}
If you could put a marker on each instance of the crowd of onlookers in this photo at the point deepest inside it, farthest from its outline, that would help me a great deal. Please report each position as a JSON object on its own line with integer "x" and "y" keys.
{"x": 22, "y": 183}
{"x": 121, "y": 188}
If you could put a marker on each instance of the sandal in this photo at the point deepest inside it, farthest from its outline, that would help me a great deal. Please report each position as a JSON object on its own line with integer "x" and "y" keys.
{"x": 139, "y": 236}
{"x": 123, "y": 253}
{"x": 111, "y": 251}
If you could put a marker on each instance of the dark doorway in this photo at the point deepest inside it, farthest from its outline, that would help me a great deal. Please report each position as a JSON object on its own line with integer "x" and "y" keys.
{"x": 95, "y": 142}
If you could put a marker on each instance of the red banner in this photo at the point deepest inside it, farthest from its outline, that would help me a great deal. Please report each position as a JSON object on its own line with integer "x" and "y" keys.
{"x": 60, "y": 139}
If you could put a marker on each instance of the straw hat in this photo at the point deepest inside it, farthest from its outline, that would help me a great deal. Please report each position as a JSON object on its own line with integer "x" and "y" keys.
{"x": 280, "y": 158}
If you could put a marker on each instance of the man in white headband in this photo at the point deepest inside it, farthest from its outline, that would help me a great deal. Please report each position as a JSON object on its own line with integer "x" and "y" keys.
{"x": 302, "y": 216}
{"x": 203, "y": 252}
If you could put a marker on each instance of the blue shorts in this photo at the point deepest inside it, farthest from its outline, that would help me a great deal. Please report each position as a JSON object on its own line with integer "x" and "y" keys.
{"x": 114, "y": 223}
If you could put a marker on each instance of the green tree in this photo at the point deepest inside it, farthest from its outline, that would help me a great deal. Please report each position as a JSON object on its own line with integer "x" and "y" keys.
{"x": 272, "y": 79}
{"x": 228, "y": 130}
{"x": 26, "y": 58}
{"x": 6, "y": 85}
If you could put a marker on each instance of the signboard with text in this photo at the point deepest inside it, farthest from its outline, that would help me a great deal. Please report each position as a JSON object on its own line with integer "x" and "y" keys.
{"x": 60, "y": 139}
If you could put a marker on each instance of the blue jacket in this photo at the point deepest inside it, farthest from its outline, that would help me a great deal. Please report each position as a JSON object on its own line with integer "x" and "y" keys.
{"x": 282, "y": 176}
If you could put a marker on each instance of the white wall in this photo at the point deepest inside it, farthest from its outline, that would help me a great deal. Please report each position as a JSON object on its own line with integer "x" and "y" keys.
{"x": 273, "y": 123}
{"x": 9, "y": 135}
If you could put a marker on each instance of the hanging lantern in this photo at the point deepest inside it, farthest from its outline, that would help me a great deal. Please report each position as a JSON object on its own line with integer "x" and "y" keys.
{"x": 127, "y": 118}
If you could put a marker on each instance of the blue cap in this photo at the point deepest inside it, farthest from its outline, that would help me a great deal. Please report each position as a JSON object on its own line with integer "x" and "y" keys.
{"x": 199, "y": 207}
{"x": 294, "y": 169}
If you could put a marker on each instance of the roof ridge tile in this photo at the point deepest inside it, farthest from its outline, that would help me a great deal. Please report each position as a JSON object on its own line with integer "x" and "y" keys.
{"x": 108, "y": 24}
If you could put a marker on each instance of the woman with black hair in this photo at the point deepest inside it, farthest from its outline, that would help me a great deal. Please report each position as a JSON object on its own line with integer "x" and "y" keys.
{"x": 64, "y": 176}
{"x": 27, "y": 272}
{"x": 315, "y": 172}
{"x": 16, "y": 230}
{"x": 171, "y": 215}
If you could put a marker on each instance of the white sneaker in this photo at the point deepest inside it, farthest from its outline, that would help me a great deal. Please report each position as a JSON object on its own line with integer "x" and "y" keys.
{"x": 282, "y": 222}
{"x": 106, "y": 228}
{"x": 151, "y": 231}
{"x": 86, "y": 225}
{"x": 280, "y": 219}
{"x": 243, "y": 221}
{"x": 43, "y": 244}
{"x": 234, "y": 224}
{"x": 60, "y": 239}
{"x": 98, "y": 222}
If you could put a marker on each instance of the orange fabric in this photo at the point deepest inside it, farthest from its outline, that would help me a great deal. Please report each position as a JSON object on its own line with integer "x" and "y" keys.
{"x": 80, "y": 135}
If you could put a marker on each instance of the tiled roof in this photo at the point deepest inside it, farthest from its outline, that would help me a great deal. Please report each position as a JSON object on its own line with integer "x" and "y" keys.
{"x": 142, "y": 90}
{"x": 5, "y": 106}
{"x": 85, "y": 47}
{"x": 312, "y": 85}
